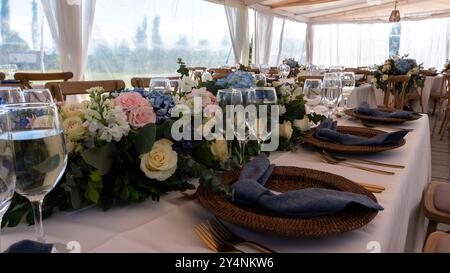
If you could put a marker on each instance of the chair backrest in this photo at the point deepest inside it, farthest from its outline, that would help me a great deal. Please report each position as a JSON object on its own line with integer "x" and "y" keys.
{"x": 2, "y": 76}
{"x": 302, "y": 79}
{"x": 203, "y": 69}
{"x": 428, "y": 73}
{"x": 61, "y": 90}
{"x": 399, "y": 95}
{"x": 219, "y": 71}
{"x": 138, "y": 82}
{"x": 26, "y": 78}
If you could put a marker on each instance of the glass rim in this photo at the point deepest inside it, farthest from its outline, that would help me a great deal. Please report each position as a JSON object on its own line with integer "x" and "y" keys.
{"x": 28, "y": 105}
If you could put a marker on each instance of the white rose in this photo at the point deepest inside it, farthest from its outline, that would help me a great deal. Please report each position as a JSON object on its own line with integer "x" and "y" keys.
{"x": 74, "y": 109}
{"x": 74, "y": 129}
{"x": 219, "y": 149}
{"x": 161, "y": 162}
{"x": 385, "y": 77}
{"x": 286, "y": 130}
{"x": 302, "y": 125}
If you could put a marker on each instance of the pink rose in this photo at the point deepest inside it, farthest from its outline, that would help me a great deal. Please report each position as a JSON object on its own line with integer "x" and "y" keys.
{"x": 129, "y": 101}
{"x": 212, "y": 98}
{"x": 141, "y": 116}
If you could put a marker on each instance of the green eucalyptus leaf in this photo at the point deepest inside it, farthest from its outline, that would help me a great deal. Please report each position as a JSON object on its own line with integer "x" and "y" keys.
{"x": 145, "y": 139}
{"x": 99, "y": 158}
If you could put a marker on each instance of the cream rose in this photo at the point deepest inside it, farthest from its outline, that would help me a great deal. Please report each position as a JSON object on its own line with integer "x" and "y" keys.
{"x": 219, "y": 149}
{"x": 74, "y": 129}
{"x": 286, "y": 130}
{"x": 74, "y": 109}
{"x": 302, "y": 124}
{"x": 161, "y": 162}
{"x": 385, "y": 77}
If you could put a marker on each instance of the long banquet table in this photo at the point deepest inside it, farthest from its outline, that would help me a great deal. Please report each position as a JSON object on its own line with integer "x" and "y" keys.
{"x": 167, "y": 226}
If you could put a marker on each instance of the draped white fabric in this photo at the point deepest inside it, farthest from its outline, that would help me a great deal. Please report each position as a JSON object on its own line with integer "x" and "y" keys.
{"x": 426, "y": 41}
{"x": 351, "y": 45}
{"x": 277, "y": 41}
{"x": 263, "y": 37}
{"x": 294, "y": 41}
{"x": 71, "y": 24}
{"x": 238, "y": 25}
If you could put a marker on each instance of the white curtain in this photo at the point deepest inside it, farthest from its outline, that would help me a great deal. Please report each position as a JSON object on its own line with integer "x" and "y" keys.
{"x": 351, "y": 45}
{"x": 71, "y": 24}
{"x": 294, "y": 41}
{"x": 277, "y": 41}
{"x": 263, "y": 37}
{"x": 239, "y": 33}
{"x": 426, "y": 41}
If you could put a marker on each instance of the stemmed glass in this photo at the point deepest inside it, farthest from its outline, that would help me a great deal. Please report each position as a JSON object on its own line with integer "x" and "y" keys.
{"x": 160, "y": 85}
{"x": 262, "y": 96}
{"x": 331, "y": 92}
{"x": 348, "y": 85}
{"x": 7, "y": 166}
{"x": 284, "y": 70}
{"x": 313, "y": 92}
{"x": 40, "y": 151}
{"x": 264, "y": 69}
{"x": 10, "y": 70}
{"x": 11, "y": 95}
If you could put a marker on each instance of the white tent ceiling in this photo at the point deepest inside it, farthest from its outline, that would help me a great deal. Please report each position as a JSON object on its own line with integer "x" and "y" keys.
{"x": 330, "y": 11}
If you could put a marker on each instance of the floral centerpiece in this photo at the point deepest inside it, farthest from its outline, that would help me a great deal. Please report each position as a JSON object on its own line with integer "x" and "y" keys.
{"x": 446, "y": 67}
{"x": 398, "y": 66}
{"x": 121, "y": 147}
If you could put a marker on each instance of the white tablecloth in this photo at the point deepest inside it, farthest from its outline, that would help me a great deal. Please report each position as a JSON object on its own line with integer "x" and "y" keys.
{"x": 167, "y": 226}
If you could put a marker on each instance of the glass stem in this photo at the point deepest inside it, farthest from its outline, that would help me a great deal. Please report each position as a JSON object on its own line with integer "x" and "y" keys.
{"x": 39, "y": 228}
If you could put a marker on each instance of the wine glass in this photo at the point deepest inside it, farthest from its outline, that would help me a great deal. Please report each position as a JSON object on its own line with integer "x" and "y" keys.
{"x": 313, "y": 92}
{"x": 260, "y": 79}
{"x": 264, "y": 95}
{"x": 11, "y": 95}
{"x": 41, "y": 154}
{"x": 264, "y": 69}
{"x": 207, "y": 77}
{"x": 331, "y": 92}
{"x": 7, "y": 166}
{"x": 37, "y": 96}
{"x": 10, "y": 70}
{"x": 284, "y": 70}
{"x": 348, "y": 85}
{"x": 160, "y": 85}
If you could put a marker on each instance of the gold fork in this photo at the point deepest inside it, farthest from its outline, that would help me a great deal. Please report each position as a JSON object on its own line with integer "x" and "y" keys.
{"x": 225, "y": 234}
{"x": 212, "y": 242}
{"x": 331, "y": 161}
{"x": 360, "y": 160}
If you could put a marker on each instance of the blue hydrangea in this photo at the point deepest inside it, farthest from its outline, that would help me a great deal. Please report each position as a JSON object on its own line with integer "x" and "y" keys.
{"x": 162, "y": 105}
{"x": 238, "y": 79}
{"x": 403, "y": 66}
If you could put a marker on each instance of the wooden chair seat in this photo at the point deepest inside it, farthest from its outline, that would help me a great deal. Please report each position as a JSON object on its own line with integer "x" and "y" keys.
{"x": 438, "y": 242}
{"x": 436, "y": 204}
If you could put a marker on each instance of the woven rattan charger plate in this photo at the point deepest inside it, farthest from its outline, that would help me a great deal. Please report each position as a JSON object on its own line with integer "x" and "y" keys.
{"x": 310, "y": 138}
{"x": 353, "y": 113}
{"x": 285, "y": 179}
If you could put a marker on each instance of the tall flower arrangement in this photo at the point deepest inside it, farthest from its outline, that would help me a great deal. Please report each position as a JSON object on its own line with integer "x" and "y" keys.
{"x": 398, "y": 66}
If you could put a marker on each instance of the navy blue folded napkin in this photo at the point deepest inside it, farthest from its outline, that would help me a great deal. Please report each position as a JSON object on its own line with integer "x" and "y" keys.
{"x": 250, "y": 190}
{"x": 327, "y": 131}
{"x": 364, "y": 109}
{"x": 10, "y": 81}
{"x": 29, "y": 247}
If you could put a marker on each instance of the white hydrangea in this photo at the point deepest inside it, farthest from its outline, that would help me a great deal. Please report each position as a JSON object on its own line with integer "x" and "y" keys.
{"x": 187, "y": 84}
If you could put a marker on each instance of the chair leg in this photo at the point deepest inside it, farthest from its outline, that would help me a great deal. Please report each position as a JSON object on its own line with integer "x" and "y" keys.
{"x": 434, "y": 107}
{"x": 432, "y": 227}
{"x": 445, "y": 125}
{"x": 442, "y": 124}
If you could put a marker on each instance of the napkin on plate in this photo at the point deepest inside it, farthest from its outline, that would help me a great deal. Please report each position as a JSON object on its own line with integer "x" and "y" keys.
{"x": 327, "y": 131}
{"x": 250, "y": 190}
{"x": 364, "y": 109}
{"x": 28, "y": 247}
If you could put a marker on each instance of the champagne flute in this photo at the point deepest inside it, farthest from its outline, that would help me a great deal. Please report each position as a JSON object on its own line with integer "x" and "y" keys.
{"x": 331, "y": 92}
{"x": 7, "y": 166}
{"x": 41, "y": 154}
{"x": 11, "y": 95}
{"x": 348, "y": 85}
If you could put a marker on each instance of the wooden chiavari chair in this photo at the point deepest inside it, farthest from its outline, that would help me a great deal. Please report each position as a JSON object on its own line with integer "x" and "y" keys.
{"x": 446, "y": 120}
{"x": 27, "y": 78}
{"x": 399, "y": 95}
{"x": 61, "y": 90}
{"x": 437, "y": 242}
{"x": 436, "y": 205}
{"x": 417, "y": 95}
{"x": 439, "y": 97}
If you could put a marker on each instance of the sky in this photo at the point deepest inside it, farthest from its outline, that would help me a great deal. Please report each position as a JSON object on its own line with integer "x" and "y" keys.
{"x": 117, "y": 20}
